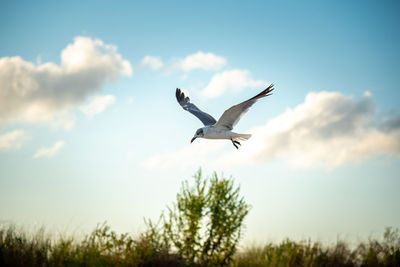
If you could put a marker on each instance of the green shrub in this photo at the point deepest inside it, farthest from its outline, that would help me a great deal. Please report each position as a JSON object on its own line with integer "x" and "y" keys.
{"x": 204, "y": 225}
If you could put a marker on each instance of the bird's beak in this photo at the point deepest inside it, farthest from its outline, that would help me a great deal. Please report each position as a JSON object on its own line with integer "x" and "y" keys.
{"x": 193, "y": 139}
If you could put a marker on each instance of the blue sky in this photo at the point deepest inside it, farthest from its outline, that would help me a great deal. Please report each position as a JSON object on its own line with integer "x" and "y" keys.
{"x": 90, "y": 129}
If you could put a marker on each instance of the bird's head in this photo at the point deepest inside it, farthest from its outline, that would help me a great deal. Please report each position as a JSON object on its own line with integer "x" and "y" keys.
{"x": 199, "y": 133}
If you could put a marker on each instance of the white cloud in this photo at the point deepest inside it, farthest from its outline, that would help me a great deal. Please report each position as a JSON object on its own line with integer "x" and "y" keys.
{"x": 235, "y": 80}
{"x": 49, "y": 151}
{"x": 39, "y": 93}
{"x": 154, "y": 63}
{"x": 13, "y": 139}
{"x": 197, "y": 154}
{"x": 199, "y": 60}
{"x": 61, "y": 119}
{"x": 97, "y": 104}
{"x": 328, "y": 129}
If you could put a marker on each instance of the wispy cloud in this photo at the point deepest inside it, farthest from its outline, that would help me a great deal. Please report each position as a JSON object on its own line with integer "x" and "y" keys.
{"x": 328, "y": 129}
{"x": 97, "y": 104}
{"x": 235, "y": 80}
{"x": 49, "y": 151}
{"x": 13, "y": 139}
{"x": 152, "y": 62}
{"x": 39, "y": 93}
{"x": 196, "y": 154}
{"x": 199, "y": 60}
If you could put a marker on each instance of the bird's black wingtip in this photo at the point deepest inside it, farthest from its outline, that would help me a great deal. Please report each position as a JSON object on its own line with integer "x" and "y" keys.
{"x": 181, "y": 97}
{"x": 178, "y": 94}
{"x": 266, "y": 92}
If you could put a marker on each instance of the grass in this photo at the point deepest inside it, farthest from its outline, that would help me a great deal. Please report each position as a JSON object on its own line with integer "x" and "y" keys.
{"x": 104, "y": 247}
{"x": 202, "y": 228}
{"x": 290, "y": 253}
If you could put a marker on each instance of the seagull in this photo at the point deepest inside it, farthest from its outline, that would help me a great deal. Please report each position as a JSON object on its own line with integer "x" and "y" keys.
{"x": 221, "y": 129}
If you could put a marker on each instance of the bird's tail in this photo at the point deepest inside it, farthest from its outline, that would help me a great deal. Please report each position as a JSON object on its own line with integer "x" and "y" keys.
{"x": 242, "y": 137}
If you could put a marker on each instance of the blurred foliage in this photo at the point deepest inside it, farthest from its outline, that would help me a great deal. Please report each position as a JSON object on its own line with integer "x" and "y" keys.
{"x": 289, "y": 253}
{"x": 202, "y": 228}
{"x": 104, "y": 247}
{"x": 205, "y": 224}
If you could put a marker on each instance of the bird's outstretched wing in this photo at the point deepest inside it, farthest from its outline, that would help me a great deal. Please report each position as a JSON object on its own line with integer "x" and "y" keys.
{"x": 232, "y": 115}
{"x": 184, "y": 101}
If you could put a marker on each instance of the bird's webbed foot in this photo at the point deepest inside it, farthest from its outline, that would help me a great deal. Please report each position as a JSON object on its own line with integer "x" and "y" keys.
{"x": 235, "y": 143}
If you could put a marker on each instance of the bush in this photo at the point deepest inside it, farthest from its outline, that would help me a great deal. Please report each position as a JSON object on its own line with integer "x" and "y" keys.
{"x": 204, "y": 226}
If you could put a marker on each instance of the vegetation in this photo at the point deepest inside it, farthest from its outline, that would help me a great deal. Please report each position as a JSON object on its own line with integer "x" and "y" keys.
{"x": 204, "y": 225}
{"x": 289, "y": 253}
{"x": 202, "y": 228}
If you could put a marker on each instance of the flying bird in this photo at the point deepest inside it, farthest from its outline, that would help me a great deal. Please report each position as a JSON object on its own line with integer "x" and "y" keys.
{"x": 221, "y": 129}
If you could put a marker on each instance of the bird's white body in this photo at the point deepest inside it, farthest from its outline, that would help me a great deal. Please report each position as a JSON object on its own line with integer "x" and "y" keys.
{"x": 211, "y": 132}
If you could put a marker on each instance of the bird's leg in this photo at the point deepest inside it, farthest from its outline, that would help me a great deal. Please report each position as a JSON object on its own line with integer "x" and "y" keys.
{"x": 235, "y": 143}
